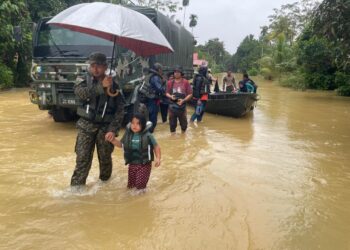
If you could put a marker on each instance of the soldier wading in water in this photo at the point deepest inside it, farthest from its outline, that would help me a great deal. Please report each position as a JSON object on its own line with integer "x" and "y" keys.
{"x": 101, "y": 117}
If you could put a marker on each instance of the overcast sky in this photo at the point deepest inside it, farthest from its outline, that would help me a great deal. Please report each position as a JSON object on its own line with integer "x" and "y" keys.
{"x": 230, "y": 20}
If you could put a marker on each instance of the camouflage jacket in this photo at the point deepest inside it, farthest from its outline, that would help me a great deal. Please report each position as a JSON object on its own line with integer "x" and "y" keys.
{"x": 95, "y": 90}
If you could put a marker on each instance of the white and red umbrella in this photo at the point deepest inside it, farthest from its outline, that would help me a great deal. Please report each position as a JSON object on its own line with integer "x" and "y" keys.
{"x": 126, "y": 27}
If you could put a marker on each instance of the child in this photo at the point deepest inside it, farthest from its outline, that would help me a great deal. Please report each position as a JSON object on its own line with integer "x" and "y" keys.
{"x": 139, "y": 148}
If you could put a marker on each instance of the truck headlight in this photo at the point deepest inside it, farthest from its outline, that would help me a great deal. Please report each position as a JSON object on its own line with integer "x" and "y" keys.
{"x": 44, "y": 85}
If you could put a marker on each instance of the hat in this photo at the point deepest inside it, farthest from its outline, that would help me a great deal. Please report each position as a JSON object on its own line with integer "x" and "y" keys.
{"x": 97, "y": 58}
{"x": 157, "y": 66}
{"x": 178, "y": 69}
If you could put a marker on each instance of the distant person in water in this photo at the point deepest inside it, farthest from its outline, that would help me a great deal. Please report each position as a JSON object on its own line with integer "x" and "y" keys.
{"x": 139, "y": 147}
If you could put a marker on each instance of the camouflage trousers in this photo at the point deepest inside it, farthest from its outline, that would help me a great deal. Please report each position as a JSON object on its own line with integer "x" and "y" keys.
{"x": 88, "y": 136}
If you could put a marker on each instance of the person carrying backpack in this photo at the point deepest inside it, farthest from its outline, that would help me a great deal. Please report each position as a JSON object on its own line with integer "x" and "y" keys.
{"x": 152, "y": 90}
{"x": 201, "y": 90}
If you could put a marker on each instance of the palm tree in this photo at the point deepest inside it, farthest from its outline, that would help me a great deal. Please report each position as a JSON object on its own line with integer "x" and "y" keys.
{"x": 193, "y": 21}
{"x": 185, "y": 3}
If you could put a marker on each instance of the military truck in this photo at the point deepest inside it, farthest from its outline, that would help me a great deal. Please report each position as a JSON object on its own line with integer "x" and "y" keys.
{"x": 60, "y": 58}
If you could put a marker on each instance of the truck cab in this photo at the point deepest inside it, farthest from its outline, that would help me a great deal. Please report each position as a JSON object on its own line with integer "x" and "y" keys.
{"x": 60, "y": 58}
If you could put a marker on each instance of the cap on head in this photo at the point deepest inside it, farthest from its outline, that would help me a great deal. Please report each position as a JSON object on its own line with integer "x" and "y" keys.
{"x": 157, "y": 66}
{"x": 98, "y": 58}
{"x": 178, "y": 68}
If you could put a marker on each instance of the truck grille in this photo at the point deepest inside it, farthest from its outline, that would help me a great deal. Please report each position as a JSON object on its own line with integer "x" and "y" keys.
{"x": 65, "y": 87}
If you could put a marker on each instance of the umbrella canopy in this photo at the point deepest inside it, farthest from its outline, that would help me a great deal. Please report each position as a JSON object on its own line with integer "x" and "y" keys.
{"x": 116, "y": 23}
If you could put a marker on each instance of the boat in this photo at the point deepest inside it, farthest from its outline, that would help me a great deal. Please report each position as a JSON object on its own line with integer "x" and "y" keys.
{"x": 231, "y": 104}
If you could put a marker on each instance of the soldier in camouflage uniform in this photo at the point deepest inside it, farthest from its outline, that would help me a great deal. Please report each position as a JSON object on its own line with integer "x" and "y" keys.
{"x": 101, "y": 117}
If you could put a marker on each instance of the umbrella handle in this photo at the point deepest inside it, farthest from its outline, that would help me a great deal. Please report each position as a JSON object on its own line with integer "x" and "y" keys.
{"x": 110, "y": 93}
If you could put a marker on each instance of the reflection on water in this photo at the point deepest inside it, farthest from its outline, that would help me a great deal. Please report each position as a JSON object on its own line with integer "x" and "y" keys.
{"x": 276, "y": 179}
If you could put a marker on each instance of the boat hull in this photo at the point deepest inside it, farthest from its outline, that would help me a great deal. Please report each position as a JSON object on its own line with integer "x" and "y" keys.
{"x": 231, "y": 104}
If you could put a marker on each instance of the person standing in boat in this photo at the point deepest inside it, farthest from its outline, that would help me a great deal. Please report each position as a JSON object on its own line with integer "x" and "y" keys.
{"x": 201, "y": 90}
{"x": 229, "y": 83}
{"x": 179, "y": 92}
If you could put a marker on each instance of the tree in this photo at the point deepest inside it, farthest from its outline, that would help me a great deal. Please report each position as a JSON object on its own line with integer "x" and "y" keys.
{"x": 216, "y": 55}
{"x": 185, "y": 3}
{"x": 247, "y": 54}
{"x": 291, "y": 19}
{"x": 332, "y": 20}
{"x": 169, "y": 5}
{"x": 193, "y": 21}
{"x": 14, "y": 18}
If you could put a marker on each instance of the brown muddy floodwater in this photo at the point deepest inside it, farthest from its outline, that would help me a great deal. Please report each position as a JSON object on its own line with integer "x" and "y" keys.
{"x": 276, "y": 179}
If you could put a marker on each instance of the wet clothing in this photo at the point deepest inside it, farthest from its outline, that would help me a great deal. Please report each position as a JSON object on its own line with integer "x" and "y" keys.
{"x": 152, "y": 102}
{"x": 164, "y": 104}
{"x": 201, "y": 85}
{"x": 138, "y": 175}
{"x": 164, "y": 111}
{"x": 174, "y": 116}
{"x": 199, "y": 111}
{"x": 138, "y": 154}
{"x": 201, "y": 90}
{"x": 99, "y": 114}
{"x": 180, "y": 89}
{"x": 138, "y": 147}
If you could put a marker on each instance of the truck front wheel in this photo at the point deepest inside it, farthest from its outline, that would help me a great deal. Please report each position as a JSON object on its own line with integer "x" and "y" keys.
{"x": 61, "y": 114}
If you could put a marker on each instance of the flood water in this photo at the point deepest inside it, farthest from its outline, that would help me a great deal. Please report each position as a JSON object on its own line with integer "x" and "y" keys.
{"x": 276, "y": 179}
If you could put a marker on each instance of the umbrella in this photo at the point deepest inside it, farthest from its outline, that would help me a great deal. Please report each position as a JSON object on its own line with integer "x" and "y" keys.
{"x": 121, "y": 25}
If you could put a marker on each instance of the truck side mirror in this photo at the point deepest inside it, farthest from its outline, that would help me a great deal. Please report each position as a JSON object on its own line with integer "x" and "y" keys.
{"x": 17, "y": 33}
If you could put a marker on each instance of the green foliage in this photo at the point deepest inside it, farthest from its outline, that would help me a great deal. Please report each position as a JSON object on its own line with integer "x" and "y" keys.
{"x": 253, "y": 72}
{"x": 315, "y": 57}
{"x": 247, "y": 55}
{"x": 266, "y": 73}
{"x": 6, "y": 79}
{"x": 342, "y": 81}
{"x": 317, "y": 80}
{"x": 295, "y": 80}
{"x": 332, "y": 21}
{"x": 216, "y": 55}
{"x": 15, "y": 15}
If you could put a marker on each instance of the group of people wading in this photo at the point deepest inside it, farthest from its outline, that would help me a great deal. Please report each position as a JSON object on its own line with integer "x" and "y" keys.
{"x": 101, "y": 116}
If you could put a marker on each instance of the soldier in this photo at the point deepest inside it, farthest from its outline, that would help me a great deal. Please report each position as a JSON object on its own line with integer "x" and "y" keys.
{"x": 153, "y": 91}
{"x": 201, "y": 90}
{"x": 101, "y": 117}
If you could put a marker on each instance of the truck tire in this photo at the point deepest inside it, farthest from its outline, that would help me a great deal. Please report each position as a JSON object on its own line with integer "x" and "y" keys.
{"x": 61, "y": 115}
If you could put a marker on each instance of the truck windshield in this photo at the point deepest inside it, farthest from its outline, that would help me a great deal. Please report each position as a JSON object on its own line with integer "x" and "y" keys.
{"x": 53, "y": 41}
